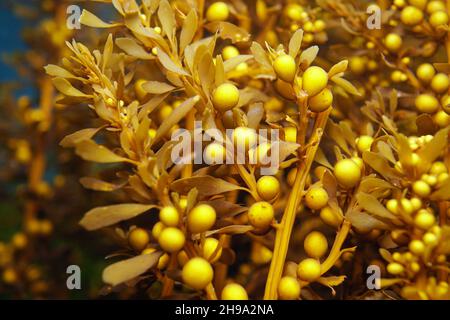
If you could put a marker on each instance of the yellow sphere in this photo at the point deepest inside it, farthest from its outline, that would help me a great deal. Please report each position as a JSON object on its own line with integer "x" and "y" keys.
{"x": 392, "y": 205}
{"x": 363, "y": 143}
{"x": 169, "y": 216}
{"x": 285, "y": 67}
{"x": 438, "y": 167}
{"x": 268, "y": 187}
{"x": 288, "y": 288}
{"x": 138, "y": 239}
{"x": 417, "y": 247}
{"x": 218, "y": 11}
{"x": 395, "y": 268}
{"x": 294, "y": 11}
{"x": 393, "y": 42}
{"x": 209, "y": 247}
{"x": 411, "y": 16}
{"x": 421, "y": 4}
{"x": 19, "y": 240}
{"x": 321, "y": 101}
{"x": 215, "y": 153}
{"x": 316, "y": 198}
{"x": 438, "y": 18}
{"x": 440, "y": 83}
{"x": 230, "y": 52}
{"x": 261, "y": 214}
{"x": 201, "y": 218}
{"x": 157, "y": 228}
{"x": 425, "y": 72}
{"x": 182, "y": 258}
{"x": 347, "y": 173}
{"x": 234, "y": 291}
{"x": 434, "y": 6}
{"x": 442, "y": 119}
{"x": 9, "y": 276}
{"x": 225, "y": 97}
{"x": 426, "y": 103}
{"x": 421, "y": 188}
{"x": 197, "y": 273}
{"x": 330, "y": 217}
{"x": 315, "y": 245}
{"x": 244, "y": 138}
{"x": 309, "y": 270}
{"x": 171, "y": 239}
{"x": 357, "y": 64}
{"x": 424, "y": 219}
{"x": 314, "y": 80}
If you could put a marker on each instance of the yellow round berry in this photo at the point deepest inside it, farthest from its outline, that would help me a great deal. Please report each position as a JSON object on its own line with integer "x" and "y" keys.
{"x": 347, "y": 173}
{"x": 438, "y": 167}
{"x": 434, "y": 6}
{"x": 430, "y": 239}
{"x": 244, "y": 138}
{"x": 288, "y": 288}
{"x": 294, "y": 11}
{"x": 330, "y": 217}
{"x": 438, "y": 18}
{"x": 140, "y": 92}
{"x": 268, "y": 187}
{"x": 416, "y": 203}
{"x": 441, "y": 118}
{"x": 393, "y": 42}
{"x": 316, "y": 198}
{"x": 164, "y": 112}
{"x": 201, "y": 218}
{"x": 421, "y": 4}
{"x": 209, "y": 248}
{"x": 319, "y": 25}
{"x": 260, "y": 214}
{"x": 225, "y": 97}
{"x": 171, "y": 239}
{"x": 315, "y": 245}
{"x": 197, "y": 273}
{"x": 363, "y": 143}
{"x": 421, "y": 188}
{"x": 218, "y": 11}
{"x": 19, "y": 240}
{"x": 138, "y": 239}
{"x": 285, "y": 67}
{"x": 425, "y": 72}
{"x": 9, "y": 276}
{"x": 417, "y": 247}
{"x": 395, "y": 268}
{"x": 440, "y": 83}
{"x": 426, "y": 103}
{"x": 157, "y": 228}
{"x": 357, "y": 64}
{"x": 392, "y": 205}
{"x": 309, "y": 270}
{"x": 234, "y": 291}
{"x": 321, "y": 101}
{"x": 424, "y": 219}
{"x": 169, "y": 216}
{"x": 215, "y": 153}
{"x": 411, "y": 16}
{"x": 314, "y": 80}
{"x": 273, "y": 104}
{"x": 230, "y": 52}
